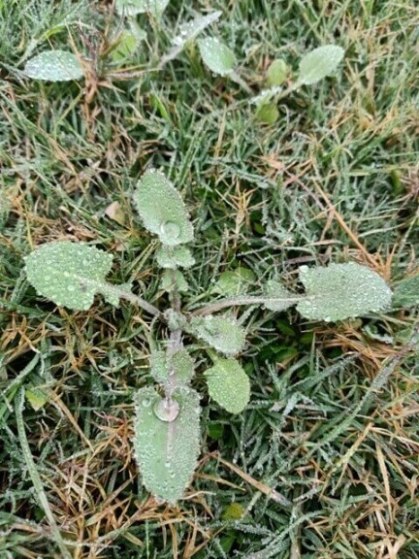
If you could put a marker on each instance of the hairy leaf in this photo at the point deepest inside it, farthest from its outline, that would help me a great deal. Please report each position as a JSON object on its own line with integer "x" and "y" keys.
{"x": 70, "y": 274}
{"x": 134, "y": 7}
{"x": 221, "y": 332}
{"x": 277, "y": 73}
{"x": 406, "y": 293}
{"x": 162, "y": 209}
{"x": 54, "y": 66}
{"x": 234, "y": 282}
{"x": 319, "y": 63}
{"x": 276, "y": 290}
{"x": 217, "y": 56}
{"x": 171, "y": 370}
{"x": 342, "y": 291}
{"x": 228, "y": 385}
{"x": 267, "y": 113}
{"x": 174, "y": 257}
{"x": 166, "y": 451}
{"x": 173, "y": 280}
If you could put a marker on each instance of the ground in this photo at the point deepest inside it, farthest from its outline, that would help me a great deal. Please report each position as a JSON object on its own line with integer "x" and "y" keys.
{"x": 331, "y": 425}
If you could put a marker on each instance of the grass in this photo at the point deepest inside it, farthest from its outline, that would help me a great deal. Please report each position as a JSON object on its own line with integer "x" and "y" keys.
{"x": 331, "y": 425}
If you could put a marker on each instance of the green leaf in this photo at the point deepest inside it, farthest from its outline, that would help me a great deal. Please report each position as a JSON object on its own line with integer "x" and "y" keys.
{"x": 234, "y": 282}
{"x": 277, "y": 73}
{"x": 166, "y": 451}
{"x": 162, "y": 209}
{"x": 174, "y": 257}
{"x": 127, "y": 45}
{"x": 342, "y": 291}
{"x": 36, "y": 397}
{"x": 228, "y": 385}
{"x": 267, "y": 113}
{"x": 173, "y": 280}
{"x": 54, "y": 66}
{"x": 217, "y": 56}
{"x": 406, "y": 293}
{"x": 222, "y": 333}
{"x": 319, "y": 63}
{"x": 70, "y": 274}
{"x": 134, "y": 7}
{"x": 276, "y": 290}
{"x": 172, "y": 370}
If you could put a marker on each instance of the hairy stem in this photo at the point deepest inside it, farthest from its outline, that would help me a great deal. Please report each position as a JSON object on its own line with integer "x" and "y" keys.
{"x": 136, "y": 300}
{"x": 244, "y": 300}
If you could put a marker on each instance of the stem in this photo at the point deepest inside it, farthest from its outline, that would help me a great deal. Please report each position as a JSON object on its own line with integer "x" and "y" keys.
{"x": 175, "y": 340}
{"x": 244, "y": 300}
{"x": 136, "y": 300}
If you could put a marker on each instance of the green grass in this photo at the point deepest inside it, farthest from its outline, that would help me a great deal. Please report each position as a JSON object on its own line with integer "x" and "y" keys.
{"x": 333, "y": 180}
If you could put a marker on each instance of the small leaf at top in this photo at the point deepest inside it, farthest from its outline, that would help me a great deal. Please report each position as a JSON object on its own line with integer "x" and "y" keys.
{"x": 134, "y": 7}
{"x": 166, "y": 451}
{"x": 342, "y": 291}
{"x": 406, "y": 293}
{"x": 319, "y": 63}
{"x": 54, "y": 66}
{"x": 70, "y": 274}
{"x": 217, "y": 56}
{"x": 162, "y": 209}
{"x": 228, "y": 385}
{"x": 277, "y": 73}
{"x": 275, "y": 290}
{"x": 174, "y": 257}
{"x": 222, "y": 333}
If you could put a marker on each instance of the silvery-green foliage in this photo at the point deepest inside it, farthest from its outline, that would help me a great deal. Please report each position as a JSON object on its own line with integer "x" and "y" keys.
{"x": 166, "y": 449}
{"x": 162, "y": 210}
{"x": 176, "y": 369}
{"x": 223, "y": 333}
{"x": 341, "y": 291}
{"x": 319, "y": 63}
{"x": 228, "y": 385}
{"x": 173, "y": 280}
{"x": 174, "y": 257}
{"x": 54, "y": 66}
{"x": 234, "y": 282}
{"x": 134, "y": 7}
{"x": 406, "y": 293}
{"x": 277, "y": 291}
{"x": 217, "y": 56}
{"x": 70, "y": 274}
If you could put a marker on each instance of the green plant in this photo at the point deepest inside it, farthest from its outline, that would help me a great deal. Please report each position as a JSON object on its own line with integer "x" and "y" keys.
{"x": 167, "y": 415}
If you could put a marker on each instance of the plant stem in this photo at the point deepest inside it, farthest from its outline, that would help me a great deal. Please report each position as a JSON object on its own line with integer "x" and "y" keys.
{"x": 175, "y": 340}
{"x": 136, "y": 300}
{"x": 243, "y": 300}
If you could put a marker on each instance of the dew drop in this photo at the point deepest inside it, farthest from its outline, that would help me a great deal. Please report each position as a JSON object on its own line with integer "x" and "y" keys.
{"x": 170, "y": 229}
{"x": 167, "y": 410}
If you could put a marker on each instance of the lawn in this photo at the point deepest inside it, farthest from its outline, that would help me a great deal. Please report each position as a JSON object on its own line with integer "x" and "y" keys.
{"x": 323, "y": 462}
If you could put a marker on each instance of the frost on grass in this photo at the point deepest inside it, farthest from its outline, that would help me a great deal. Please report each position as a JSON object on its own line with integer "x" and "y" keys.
{"x": 217, "y": 56}
{"x": 70, "y": 274}
{"x": 319, "y": 63}
{"x": 54, "y": 66}
{"x": 228, "y": 385}
{"x": 166, "y": 440}
{"x": 222, "y": 333}
{"x": 134, "y": 7}
{"x": 342, "y": 291}
{"x": 162, "y": 210}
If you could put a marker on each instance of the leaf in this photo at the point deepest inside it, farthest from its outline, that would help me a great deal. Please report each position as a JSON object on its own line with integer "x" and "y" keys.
{"x": 162, "y": 209}
{"x": 166, "y": 451}
{"x": 222, "y": 333}
{"x": 319, "y": 63}
{"x": 267, "y": 113}
{"x": 234, "y": 282}
{"x": 217, "y": 56}
{"x": 342, "y": 291}
{"x": 174, "y": 257}
{"x": 173, "y": 280}
{"x": 127, "y": 45}
{"x": 176, "y": 369}
{"x": 228, "y": 385}
{"x": 277, "y": 73}
{"x": 276, "y": 290}
{"x": 36, "y": 397}
{"x": 406, "y": 293}
{"x": 134, "y": 7}
{"x": 70, "y": 274}
{"x": 54, "y": 66}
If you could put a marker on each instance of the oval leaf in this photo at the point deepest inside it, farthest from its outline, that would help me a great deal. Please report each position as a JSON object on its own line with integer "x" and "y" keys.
{"x": 277, "y": 73}
{"x": 222, "y": 333}
{"x": 166, "y": 451}
{"x": 234, "y": 282}
{"x": 174, "y": 257}
{"x": 342, "y": 291}
{"x": 134, "y": 7}
{"x": 228, "y": 385}
{"x": 217, "y": 56}
{"x": 70, "y": 274}
{"x": 319, "y": 63}
{"x": 162, "y": 209}
{"x": 406, "y": 293}
{"x": 54, "y": 66}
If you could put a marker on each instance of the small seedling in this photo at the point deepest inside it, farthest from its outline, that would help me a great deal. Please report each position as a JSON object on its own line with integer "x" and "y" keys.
{"x": 166, "y": 424}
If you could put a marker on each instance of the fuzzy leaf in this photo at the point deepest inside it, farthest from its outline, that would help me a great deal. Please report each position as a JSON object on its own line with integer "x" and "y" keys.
{"x": 228, "y": 385}
{"x": 217, "y": 56}
{"x": 162, "y": 209}
{"x": 54, "y": 66}
{"x": 166, "y": 451}
{"x": 319, "y": 63}
{"x": 277, "y": 73}
{"x": 70, "y": 274}
{"x": 276, "y": 290}
{"x": 222, "y": 333}
{"x": 234, "y": 282}
{"x": 267, "y": 113}
{"x": 406, "y": 293}
{"x": 342, "y": 291}
{"x": 174, "y": 257}
{"x": 134, "y": 7}
{"x": 178, "y": 369}
{"x": 173, "y": 280}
